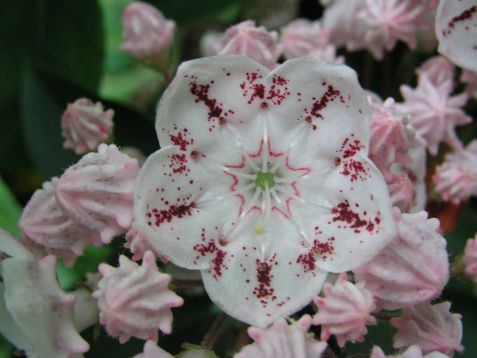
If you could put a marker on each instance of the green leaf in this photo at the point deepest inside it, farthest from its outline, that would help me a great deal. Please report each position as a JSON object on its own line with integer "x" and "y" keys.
{"x": 186, "y": 11}
{"x": 10, "y": 210}
{"x": 68, "y": 40}
{"x": 41, "y": 118}
{"x": 89, "y": 262}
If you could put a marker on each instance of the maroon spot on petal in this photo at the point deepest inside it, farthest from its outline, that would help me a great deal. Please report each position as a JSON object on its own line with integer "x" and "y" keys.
{"x": 318, "y": 105}
{"x": 352, "y": 168}
{"x": 173, "y": 211}
{"x": 464, "y": 16}
{"x": 343, "y": 213}
{"x": 264, "y": 291}
{"x": 322, "y": 249}
{"x": 217, "y": 261}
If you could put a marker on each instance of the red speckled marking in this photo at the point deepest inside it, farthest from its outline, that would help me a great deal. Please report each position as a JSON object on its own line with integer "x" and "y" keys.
{"x": 264, "y": 291}
{"x": 343, "y": 213}
{"x": 218, "y": 260}
{"x": 253, "y": 88}
{"x": 216, "y": 112}
{"x": 181, "y": 138}
{"x": 318, "y": 105}
{"x": 464, "y": 16}
{"x": 352, "y": 168}
{"x": 160, "y": 217}
{"x": 323, "y": 249}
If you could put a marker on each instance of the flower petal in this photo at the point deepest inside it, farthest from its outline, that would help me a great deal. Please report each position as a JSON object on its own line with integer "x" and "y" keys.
{"x": 456, "y": 30}
{"x": 175, "y": 206}
{"x": 325, "y": 104}
{"x": 207, "y": 104}
{"x": 346, "y": 222}
{"x": 261, "y": 277}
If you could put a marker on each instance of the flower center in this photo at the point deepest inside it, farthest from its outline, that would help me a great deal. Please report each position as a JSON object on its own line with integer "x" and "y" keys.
{"x": 265, "y": 180}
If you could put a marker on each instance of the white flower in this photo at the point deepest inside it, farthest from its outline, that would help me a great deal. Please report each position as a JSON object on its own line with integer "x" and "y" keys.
{"x": 263, "y": 181}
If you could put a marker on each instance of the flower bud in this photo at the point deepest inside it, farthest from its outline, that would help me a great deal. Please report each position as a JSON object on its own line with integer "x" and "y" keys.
{"x": 86, "y": 125}
{"x": 147, "y": 33}
{"x": 255, "y": 42}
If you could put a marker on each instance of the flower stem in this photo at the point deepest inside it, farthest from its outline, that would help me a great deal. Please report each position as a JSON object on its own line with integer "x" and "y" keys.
{"x": 214, "y": 332}
{"x": 184, "y": 283}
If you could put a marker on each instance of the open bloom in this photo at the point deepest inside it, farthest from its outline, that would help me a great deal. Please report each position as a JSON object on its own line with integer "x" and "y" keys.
{"x": 263, "y": 181}
{"x": 283, "y": 341}
{"x": 456, "y": 30}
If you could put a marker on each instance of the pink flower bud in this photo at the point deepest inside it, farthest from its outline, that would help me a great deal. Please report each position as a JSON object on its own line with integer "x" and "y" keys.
{"x": 255, "y": 42}
{"x": 86, "y": 125}
{"x": 434, "y": 112}
{"x": 456, "y": 179}
{"x": 469, "y": 261}
{"x": 134, "y": 300}
{"x": 303, "y": 37}
{"x": 97, "y": 192}
{"x": 392, "y": 136}
{"x": 438, "y": 69}
{"x": 411, "y": 352}
{"x": 45, "y": 224}
{"x": 147, "y": 34}
{"x": 283, "y": 341}
{"x": 345, "y": 311}
{"x": 402, "y": 192}
{"x": 413, "y": 268}
{"x": 431, "y": 327}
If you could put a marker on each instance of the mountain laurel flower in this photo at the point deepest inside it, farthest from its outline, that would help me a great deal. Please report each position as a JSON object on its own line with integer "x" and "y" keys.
{"x": 469, "y": 78}
{"x": 434, "y": 113}
{"x": 281, "y": 340}
{"x": 147, "y": 34}
{"x": 263, "y": 182}
{"x": 134, "y": 300}
{"x": 411, "y": 352}
{"x": 431, "y": 327}
{"x": 302, "y": 37}
{"x": 45, "y": 224}
{"x": 469, "y": 260}
{"x": 37, "y": 315}
{"x": 97, "y": 191}
{"x": 456, "y": 178}
{"x": 388, "y": 21}
{"x": 413, "y": 268}
{"x": 345, "y": 311}
{"x": 86, "y": 125}
{"x": 254, "y": 42}
{"x": 438, "y": 70}
{"x": 456, "y": 30}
